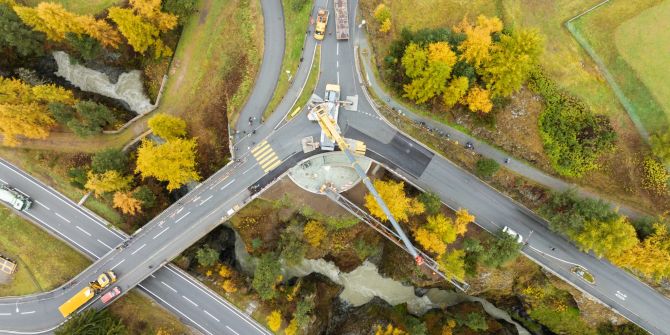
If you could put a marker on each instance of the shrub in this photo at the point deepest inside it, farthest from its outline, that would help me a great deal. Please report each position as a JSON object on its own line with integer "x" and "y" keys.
{"x": 314, "y": 232}
{"x": 207, "y": 256}
{"x": 474, "y": 321}
{"x": 364, "y": 249}
{"x": 431, "y": 202}
{"x": 292, "y": 248}
{"x": 656, "y": 176}
{"x": 502, "y": 250}
{"x": 274, "y": 320}
{"x": 78, "y": 177}
{"x": 109, "y": 159}
{"x": 146, "y": 196}
{"x": 93, "y": 321}
{"x": 341, "y": 222}
{"x": 486, "y": 167}
{"x": 266, "y": 276}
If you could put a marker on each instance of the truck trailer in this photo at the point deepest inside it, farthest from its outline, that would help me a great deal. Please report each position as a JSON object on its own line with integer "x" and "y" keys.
{"x": 15, "y": 198}
{"x": 321, "y": 23}
{"x": 87, "y": 293}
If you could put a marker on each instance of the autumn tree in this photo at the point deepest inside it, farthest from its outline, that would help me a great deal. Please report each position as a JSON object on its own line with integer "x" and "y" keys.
{"x": 292, "y": 328}
{"x": 429, "y": 68}
{"x": 478, "y": 100}
{"x": 109, "y": 181}
{"x": 455, "y": 91}
{"x": 463, "y": 218}
{"x": 142, "y": 25}
{"x": 511, "y": 61}
{"x": 650, "y": 257}
{"x": 274, "y": 320}
{"x": 660, "y": 145}
{"x": 16, "y": 35}
{"x": 475, "y": 49}
{"x": 126, "y": 203}
{"x": 314, "y": 233}
{"x": 429, "y": 240}
{"x": 167, "y": 127}
{"x": 173, "y": 162}
{"x": 656, "y": 176}
{"x": 393, "y": 194}
{"x": 452, "y": 263}
{"x": 383, "y": 16}
{"x": 389, "y": 330}
{"x": 607, "y": 238}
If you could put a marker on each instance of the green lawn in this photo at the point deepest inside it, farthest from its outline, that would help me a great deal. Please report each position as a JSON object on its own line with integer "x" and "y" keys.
{"x": 644, "y": 42}
{"x": 296, "y": 25}
{"x": 44, "y": 262}
{"x": 82, "y": 6}
{"x": 600, "y": 29}
{"x": 310, "y": 85}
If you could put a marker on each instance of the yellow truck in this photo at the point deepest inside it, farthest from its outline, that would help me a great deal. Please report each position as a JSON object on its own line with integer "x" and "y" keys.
{"x": 87, "y": 293}
{"x": 321, "y": 22}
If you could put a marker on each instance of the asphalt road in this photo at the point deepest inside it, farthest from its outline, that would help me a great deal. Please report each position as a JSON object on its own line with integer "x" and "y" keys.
{"x": 204, "y": 208}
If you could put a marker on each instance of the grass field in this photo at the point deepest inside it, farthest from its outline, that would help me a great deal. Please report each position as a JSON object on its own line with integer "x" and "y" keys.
{"x": 644, "y": 42}
{"x": 142, "y": 315}
{"x": 82, "y": 6}
{"x": 296, "y": 24}
{"x": 310, "y": 85}
{"x": 600, "y": 27}
{"x": 44, "y": 262}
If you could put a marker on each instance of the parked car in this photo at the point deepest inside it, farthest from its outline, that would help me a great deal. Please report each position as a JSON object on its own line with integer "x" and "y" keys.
{"x": 107, "y": 297}
{"x": 513, "y": 233}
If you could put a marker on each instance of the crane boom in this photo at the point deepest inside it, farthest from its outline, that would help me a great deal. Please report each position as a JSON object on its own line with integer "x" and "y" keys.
{"x": 332, "y": 131}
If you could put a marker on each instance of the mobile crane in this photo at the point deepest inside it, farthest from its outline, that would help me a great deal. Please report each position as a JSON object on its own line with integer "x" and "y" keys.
{"x": 332, "y": 131}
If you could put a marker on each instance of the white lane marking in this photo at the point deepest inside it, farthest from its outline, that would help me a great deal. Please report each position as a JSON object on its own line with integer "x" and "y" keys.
{"x": 69, "y": 239}
{"x": 189, "y": 300}
{"x": 185, "y": 215}
{"x": 228, "y": 184}
{"x": 4, "y": 314}
{"x": 61, "y": 197}
{"x": 218, "y": 299}
{"x": 117, "y": 264}
{"x": 213, "y": 317}
{"x": 60, "y": 216}
{"x": 233, "y": 330}
{"x": 162, "y": 231}
{"x": 3, "y": 181}
{"x": 179, "y": 211}
{"x": 204, "y": 201}
{"x": 337, "y": 64}
{"x": 138, "y": 249}
{"x": 85, "y": 232}
{"x": 29, "y": 312}
{"x": 247, "y": 170}
{"x": 621, "y": 295}
{"x": 338, "y": 77}
{"x": 173, "y": 308}
{"x": 152, "y": 276}
{"x": 103, "y": 243}
{"x": 43, "y": 205}
{"x": 168, "y": 286}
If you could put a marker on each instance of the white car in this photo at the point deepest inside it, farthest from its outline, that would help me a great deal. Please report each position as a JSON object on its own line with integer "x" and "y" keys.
{"x": 511, "y": 232}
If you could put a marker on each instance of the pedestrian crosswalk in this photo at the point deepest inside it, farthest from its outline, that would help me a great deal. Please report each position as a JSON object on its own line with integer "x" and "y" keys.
{"x": 265, "y": 156}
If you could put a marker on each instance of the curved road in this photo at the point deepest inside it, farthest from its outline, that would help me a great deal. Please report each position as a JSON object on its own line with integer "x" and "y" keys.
{"x": 211, "y": 203}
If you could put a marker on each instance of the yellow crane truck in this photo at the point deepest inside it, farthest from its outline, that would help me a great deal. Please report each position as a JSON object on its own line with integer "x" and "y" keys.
{"x": 321, "y": 22}
{"x": 87, "y": 293}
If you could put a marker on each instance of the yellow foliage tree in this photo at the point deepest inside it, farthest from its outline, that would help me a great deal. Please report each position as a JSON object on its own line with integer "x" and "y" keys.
{"x": 443, "y": 227}
{"x": 651, "y": 257}
{"x": 314, "y": 233}
{"x": 167, "y": 127}
{"x": 229, "y": 286}
{"x": 139, "y": 33}
{"x": 656, "y": 176}
{"x": 292, "y": 328}
{"x": 393, "y": 194}
{"x": 173, "y": 162}
{"x": 478, "y": 100}
{"x": 452, "y": 263}
{"x": 274, "y": 320}
{"x": 429, "y": 68}
{"x": 28, "y": 120}
{"x": 382, "y": 13}
{"x": 109, "y": 181}
{"x": 385, "y": 27}
{"x": 163, "y": 331}
{"x": 225, "y": 271}
{"x": 151, "y": 10}
{"x": 55, "y": 21}
{"x": 389, "y": 330}
{"x": 51, "y": 93}
{"x": 607, "y": 238}
{"x": 455, "y": 91}
{"x": 448, "y": 329}
{"x": 463, "y": 218}
{"x": 430, "y": 241}
{"x": 477, "y": 45}
{"x": 126, "y": 203}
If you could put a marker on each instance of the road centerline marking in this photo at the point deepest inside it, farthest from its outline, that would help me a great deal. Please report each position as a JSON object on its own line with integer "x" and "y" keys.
{"x": 138, "y": 249}
{"x": 85, "y": 232}
{"x": 29, "y": 312}
{"x": 213, "y": 317}
{"x": 103, "y": 243}
{"x": 168, "y": 286}
{"x": 224, "y": 186}
{"x": 189, "y": 300}
{"x": 43, "y": 205}
{"x": 204, "y": 201}
{"x": 185, "y": 215}
{"x": 159, "y": 234}
{"x": 117, "y": 264}
{"x": 232, "y": 330}
{"x": 62, "y": 217}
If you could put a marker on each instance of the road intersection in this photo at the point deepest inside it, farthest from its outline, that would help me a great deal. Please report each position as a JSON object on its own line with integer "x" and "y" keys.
{"x": 235, "y": 185}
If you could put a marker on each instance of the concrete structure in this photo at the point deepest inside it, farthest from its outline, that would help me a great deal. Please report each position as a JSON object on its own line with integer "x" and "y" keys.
{"x": 332, "y": 169}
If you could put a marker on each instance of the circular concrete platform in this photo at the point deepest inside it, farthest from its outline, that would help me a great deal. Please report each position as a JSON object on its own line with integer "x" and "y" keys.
{"x": 332, "y": 169}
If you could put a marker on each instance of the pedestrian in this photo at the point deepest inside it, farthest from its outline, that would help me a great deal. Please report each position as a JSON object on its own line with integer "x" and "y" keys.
{"x": 553, "y": 249}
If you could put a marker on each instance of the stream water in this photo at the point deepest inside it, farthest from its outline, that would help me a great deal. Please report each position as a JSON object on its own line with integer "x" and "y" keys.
{"x": 128, "y": 87}
{"x": 364, "y": 283}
